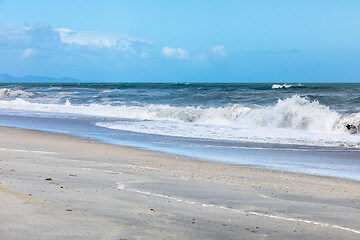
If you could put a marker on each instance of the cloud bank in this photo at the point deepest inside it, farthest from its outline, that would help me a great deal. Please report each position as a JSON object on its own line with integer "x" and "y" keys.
{"x": 43, "y": 41}
{"x": 43, "y": 50}
{"x": 47, "y": 41}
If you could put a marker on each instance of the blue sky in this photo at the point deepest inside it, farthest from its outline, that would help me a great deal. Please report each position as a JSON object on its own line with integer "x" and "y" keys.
{"x": 182, "y": 41}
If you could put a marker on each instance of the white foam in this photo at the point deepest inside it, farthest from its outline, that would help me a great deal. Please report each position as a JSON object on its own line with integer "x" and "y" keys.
{"x": 295, "y": 113}
{"x": 263, "y": 135}
{"x": 294, "y": 120}
{"x": 280, "y": 86}
{"x": 5, "y": 92}
{"x": 106, "y": 91}
{"x": 292, "y": 113}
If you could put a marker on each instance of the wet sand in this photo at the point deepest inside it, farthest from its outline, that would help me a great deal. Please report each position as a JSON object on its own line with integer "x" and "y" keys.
{"x": 56, "y": 186}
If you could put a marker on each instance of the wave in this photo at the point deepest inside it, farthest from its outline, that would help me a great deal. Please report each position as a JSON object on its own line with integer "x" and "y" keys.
{"x": 280, "y": 86}
{"x": 296, "y": 113}
{"x": 259, "y": 135}
{"x": 5, "y": 92}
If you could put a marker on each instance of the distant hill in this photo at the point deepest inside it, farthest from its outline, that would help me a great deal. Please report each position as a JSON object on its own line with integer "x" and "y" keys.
{"x": 6, "y": 78}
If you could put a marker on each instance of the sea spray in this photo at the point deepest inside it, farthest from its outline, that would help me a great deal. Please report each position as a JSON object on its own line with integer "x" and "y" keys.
{"x": 292, "y": 113}
{"x": 295, "y": 113}
{"x": 327, "y": 114}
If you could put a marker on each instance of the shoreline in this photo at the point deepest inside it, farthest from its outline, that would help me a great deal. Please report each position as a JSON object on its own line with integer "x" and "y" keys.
{"x": 157, "y": 192}
{"x": 189, "y": 157}
{"x": 183, "y": 157}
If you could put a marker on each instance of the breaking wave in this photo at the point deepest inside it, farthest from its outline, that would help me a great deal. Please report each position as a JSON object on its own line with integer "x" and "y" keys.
{"x": 5, "y": 92}
{"x": 292, "y": 113}
{"x": 280, "y": 86}
{"x": 294, "y": 120}
{"x": 295, "y": 112}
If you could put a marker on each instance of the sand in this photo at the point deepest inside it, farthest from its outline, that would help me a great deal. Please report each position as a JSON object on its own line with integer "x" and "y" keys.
{"x": 55, "y": 186}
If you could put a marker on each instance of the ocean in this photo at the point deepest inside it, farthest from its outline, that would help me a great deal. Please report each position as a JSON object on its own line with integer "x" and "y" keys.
{"x": 304, "y": 128}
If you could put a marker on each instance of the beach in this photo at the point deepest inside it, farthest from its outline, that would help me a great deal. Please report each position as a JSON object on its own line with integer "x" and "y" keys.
{"x": 56, "y": 186}
{"x": 129, "y": 120}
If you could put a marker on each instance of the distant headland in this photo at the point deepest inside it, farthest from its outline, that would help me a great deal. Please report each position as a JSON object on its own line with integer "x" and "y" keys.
{"x": 7, "y": 78}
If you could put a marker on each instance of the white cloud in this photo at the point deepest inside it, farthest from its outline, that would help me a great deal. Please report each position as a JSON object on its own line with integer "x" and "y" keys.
{"x": 50, "y": 42}
{"x": 218, "y": 51}
{"x": 103, "y": 40}
{"x": 27, "y": 53}
{"x": 40, "y": 36}
{"x": 178, "y": 53}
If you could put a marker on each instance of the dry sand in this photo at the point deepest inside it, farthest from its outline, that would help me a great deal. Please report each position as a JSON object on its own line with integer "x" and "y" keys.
{"x": 102, "y": 191}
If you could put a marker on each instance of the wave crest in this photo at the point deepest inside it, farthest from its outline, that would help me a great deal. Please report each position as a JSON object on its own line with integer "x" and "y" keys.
{"x": 349, "y": 123}
{"x": 292, "y": 113}
{"x": 295, "y": 113}
{"x": 5, "y": 92}
{"x": 280, "y": 86}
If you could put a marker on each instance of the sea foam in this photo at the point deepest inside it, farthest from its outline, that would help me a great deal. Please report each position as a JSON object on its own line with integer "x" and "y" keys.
{"x": 5, "y": 92}
{"x": 291, "y": 113}
{"x": 280, "y": 86}
{"x": 295, "y": 120}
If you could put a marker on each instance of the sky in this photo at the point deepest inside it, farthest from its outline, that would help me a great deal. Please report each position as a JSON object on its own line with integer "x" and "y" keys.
{"x": 182, "y": 41}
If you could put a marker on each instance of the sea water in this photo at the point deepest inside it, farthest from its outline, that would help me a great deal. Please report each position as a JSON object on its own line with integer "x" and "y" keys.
{"x": 308, "y": 128}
